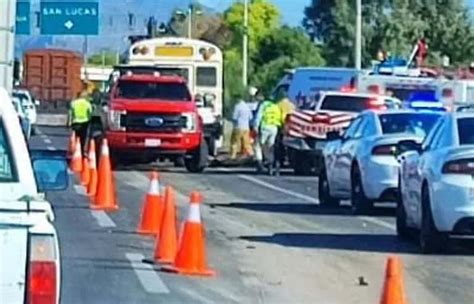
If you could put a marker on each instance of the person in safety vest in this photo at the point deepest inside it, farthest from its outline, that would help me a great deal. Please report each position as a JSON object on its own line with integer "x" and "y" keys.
{"x": 268, "y": 123}
{"x": 80, "y": 116}
{"x": 351, "y": 87}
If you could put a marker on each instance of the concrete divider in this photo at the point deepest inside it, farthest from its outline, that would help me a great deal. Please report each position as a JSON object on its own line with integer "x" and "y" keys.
{"x": 54, "y": 120}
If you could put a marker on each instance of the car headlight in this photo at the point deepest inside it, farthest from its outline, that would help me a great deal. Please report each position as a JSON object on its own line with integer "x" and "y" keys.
{"x": 114, "y": 120}
{"x": 191, "y": 122}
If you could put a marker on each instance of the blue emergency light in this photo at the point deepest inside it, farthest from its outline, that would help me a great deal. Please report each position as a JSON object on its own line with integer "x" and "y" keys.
{"x": 425, "y": 100}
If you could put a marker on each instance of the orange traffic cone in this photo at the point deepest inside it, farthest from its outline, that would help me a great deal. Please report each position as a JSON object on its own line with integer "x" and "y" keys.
{"x": 105, "y": 196}
{"x": 92, "y": 186}
{"x": 72, "y": 144}
{"x": 167, "y": 241}
{"x": 85, "y": 173}
{"x": 393, "y": 290}
{"x": 152, "y": 209}
{"x": 191, "y": 257}
{"x": 76, "y": 161}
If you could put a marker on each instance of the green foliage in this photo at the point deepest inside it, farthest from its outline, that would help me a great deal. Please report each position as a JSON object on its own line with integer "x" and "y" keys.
{"x": 233, "y": 87}
{"x": 392, "y": 25}
{"x": 105, "y": 58}
{"x": 283, "y": 49}
{"x": 264, "y": 17}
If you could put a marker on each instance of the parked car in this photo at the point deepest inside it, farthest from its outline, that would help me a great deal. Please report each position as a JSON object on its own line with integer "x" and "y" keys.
{"x": 436, "y": 185}
{"x": 22, "y": 117}
{"x": 29, "y": 105}
{"x": 361, "y": 164}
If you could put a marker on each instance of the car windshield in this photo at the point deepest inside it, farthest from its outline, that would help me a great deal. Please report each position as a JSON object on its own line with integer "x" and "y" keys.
{"x": 22, "y": 97}
{"x": 465, "y": 131}
{"x": 7, "y": 173}
{"x": 345, "y": 103}
{"x": 412, "y": 123}
{"x": 169, "y": 91}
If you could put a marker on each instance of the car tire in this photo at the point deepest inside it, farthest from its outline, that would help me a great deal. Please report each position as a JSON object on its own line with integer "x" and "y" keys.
{"x": 198, "y": 160}
{"x": 431, "y": 240}
{"x": 300, "y": 163}
{"x": 403, "y": 231}
{"x": 360, "y": 203}
{"x": 324, "y": 195}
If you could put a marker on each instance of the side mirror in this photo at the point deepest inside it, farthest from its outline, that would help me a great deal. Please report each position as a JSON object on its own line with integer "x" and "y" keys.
{"x": 50, "y": 168}
{"x": 334, "y": 135}
{"x": 408, "y": 145}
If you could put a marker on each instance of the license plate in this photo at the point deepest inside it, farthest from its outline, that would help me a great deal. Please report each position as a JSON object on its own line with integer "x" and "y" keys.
{"x": 152, "y": 142}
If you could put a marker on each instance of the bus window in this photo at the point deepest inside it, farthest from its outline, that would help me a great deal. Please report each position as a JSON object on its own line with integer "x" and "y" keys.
{"x": 206, "y": 77}
{"x": 181, "y": 72}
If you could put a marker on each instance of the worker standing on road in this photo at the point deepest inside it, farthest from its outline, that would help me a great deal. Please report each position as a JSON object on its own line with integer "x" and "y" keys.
{"x": 80, "y": 117}
{"x": 268, "y": 122}
{"x": 240, "y": 141}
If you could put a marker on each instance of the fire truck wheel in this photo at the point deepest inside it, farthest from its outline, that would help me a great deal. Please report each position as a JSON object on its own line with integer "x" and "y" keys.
{"x": 198, "y": 160}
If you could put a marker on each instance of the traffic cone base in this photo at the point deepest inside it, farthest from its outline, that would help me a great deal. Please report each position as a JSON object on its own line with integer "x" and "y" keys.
{"x": 152, "y": 214}
{"x": 167, "y": 242}
{"x": 191, "y": 258}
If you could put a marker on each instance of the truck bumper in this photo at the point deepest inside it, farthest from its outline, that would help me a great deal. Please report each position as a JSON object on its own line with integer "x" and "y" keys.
{"x": 309, "y": 145}
{"x": 153, "y": 143}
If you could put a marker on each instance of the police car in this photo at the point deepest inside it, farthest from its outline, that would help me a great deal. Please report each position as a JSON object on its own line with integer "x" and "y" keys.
{"x": 361, "y": 165}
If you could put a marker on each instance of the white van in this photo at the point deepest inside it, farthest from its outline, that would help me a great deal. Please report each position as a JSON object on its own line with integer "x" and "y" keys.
{"x": 29, "y": 250}
{"x": 305, "y": 83}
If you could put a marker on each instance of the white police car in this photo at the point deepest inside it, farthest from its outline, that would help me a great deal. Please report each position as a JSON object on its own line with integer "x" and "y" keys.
{"x": 436, "y": 183}
{"x": 361, "y": 164}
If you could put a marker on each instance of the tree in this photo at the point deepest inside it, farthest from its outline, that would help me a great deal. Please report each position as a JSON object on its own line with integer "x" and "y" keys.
{"x": 282, "y": 49}
{"x": 105, "y": 58}
{"x": 264, "y": 17}
{"x": 392, "y": 25}
{"x": 208, "y": 27}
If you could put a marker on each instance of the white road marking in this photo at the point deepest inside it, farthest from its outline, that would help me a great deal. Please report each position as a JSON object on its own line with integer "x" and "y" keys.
{"x": 48, "y": 141}
{"x": 43, "y": 136}
{"x": 378, "y": 222}
{"x": 39, "y": 132}
{"x": 51, "y": 148}
{"x": 279, "y": 189}
{"x": 103, "y": 219}
{"x": 80, "y": 190}
{"x": 147, "y": 276}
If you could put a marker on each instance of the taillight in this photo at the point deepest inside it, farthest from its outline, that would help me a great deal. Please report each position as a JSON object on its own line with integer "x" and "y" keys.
{"x": 373, "y": 89}
{"x": 42, "y": 272}
{"x": 321, "y": 118}
{"x": 384, "y": 150}
{"x": 462, "y": 166}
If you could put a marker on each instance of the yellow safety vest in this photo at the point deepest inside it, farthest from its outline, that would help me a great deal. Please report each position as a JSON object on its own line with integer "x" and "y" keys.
{"x": 271, "y": 115}
{"x": 81, "y": 110}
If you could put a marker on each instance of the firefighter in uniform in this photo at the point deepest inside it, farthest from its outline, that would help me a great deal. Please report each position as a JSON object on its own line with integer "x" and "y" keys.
{"x": 80, "y": 117}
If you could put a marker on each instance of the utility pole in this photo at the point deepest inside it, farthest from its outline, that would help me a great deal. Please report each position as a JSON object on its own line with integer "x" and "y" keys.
{"x": 190, "y": 21}
{"x": 245, "y": 43}
{"x": 85, "y": 51}
{"x": 358, "y": 40}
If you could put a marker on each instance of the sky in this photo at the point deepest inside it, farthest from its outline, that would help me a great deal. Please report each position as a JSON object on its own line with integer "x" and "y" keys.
{"x": 292, "y": 10}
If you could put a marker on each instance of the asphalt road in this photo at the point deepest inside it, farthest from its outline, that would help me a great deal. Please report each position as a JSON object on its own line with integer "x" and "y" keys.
{"x": 266, "y": 237}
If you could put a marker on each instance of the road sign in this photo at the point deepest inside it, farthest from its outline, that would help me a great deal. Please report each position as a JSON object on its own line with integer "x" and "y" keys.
{"x": 23, "y": 20}
{"x": 69, "y": 18}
